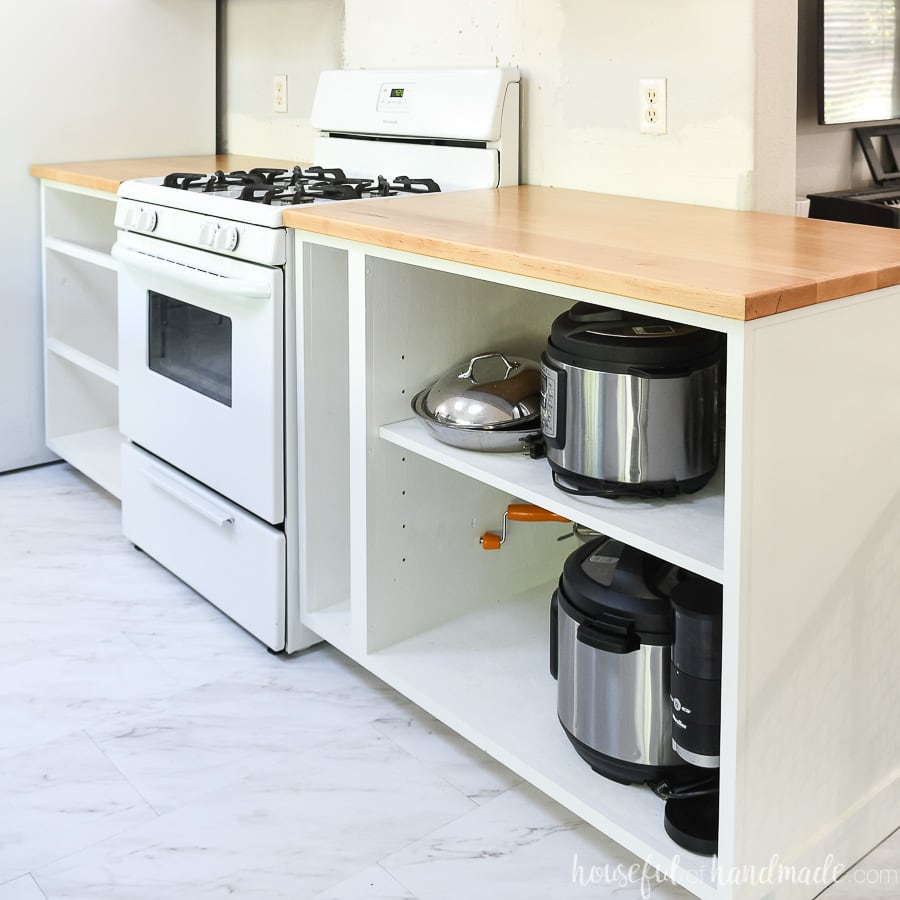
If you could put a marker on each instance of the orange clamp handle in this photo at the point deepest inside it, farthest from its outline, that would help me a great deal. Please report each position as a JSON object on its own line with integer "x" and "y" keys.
{"x": 518, "y": 512}
{"x": 528, "y": 512}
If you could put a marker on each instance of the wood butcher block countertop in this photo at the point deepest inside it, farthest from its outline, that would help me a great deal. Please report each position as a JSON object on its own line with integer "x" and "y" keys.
{"x": 738, "y": 265}
{"x": 108, "y": 174}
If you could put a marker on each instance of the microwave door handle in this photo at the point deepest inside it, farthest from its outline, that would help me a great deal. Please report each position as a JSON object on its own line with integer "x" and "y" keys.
{"x": 184, "y": 495}
{"x": 232, "y": 287}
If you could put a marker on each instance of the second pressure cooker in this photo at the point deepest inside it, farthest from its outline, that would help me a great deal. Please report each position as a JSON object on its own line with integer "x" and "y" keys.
{"x": 610, "y": 652}
{"x": 629, "y": 403}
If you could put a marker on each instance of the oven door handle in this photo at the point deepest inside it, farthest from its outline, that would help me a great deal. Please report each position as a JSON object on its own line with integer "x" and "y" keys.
{"x": 184, "y": 495}
{"x": 222, "y": 285}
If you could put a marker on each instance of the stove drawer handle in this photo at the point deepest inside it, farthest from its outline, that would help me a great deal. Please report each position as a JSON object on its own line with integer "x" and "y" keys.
{"x": 186, "y": 497}
{"x": 223, "y": 285}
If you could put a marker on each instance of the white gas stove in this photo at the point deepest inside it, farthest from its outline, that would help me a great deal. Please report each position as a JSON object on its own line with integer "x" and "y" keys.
{"x": 380, "y": 134}
{"x": 206, "y": 323}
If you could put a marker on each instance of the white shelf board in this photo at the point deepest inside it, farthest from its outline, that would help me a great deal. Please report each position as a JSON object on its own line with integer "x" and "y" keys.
{"x": 96, "y": 453}
{"x": 687, "y": 530}
{"x": 79, "y": 251}
{"x": 487, "y": 676}
{"x": 83, "y": 360}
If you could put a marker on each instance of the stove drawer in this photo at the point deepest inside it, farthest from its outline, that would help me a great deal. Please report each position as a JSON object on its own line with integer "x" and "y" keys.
{"x": 229, "y": 556}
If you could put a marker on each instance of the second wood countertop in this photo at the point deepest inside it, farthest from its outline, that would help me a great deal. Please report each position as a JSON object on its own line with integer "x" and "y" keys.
{"x": 739, "y": 265}
{"x": 108, "y": 174}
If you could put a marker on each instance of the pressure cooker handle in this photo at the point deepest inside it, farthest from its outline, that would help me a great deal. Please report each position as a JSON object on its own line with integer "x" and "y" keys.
{"x": 599, "y": 639}
{"x": 554, "y": 636}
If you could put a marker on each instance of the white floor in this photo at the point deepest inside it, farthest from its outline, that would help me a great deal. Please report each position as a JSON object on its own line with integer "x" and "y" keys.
{"x": 151, "y": 750}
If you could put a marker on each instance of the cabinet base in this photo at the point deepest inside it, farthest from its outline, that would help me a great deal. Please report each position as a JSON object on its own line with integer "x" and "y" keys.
{"x": 629, "y": 773}
{"x": 582, "y": 485}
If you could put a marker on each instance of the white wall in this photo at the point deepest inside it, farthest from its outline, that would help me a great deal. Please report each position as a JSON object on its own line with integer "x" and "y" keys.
{"x": 263, "y": 38}
{"x": 775, "y": 103}
{"x": 581, "y": 61}
{"x": 99, "y": 79}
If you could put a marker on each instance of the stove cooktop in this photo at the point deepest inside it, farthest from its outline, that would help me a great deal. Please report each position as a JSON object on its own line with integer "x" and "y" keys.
{"x": 291, "y": 187}
{"x": 220, "y": 211}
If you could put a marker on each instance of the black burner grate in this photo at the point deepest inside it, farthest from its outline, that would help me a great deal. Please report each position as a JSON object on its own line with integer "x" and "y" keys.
{"x": 287, "y": 187}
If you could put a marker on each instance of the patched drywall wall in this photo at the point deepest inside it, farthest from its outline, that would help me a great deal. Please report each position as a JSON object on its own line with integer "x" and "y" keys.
{"x": 264, "y": 38}
{"x": 581, "y": 63}
{"x": 730, "y": 70}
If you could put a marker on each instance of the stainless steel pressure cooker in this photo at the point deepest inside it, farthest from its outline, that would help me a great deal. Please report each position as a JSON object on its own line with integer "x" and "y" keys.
{"x": 629, "y": 403}
{"x": 611, "y": 628}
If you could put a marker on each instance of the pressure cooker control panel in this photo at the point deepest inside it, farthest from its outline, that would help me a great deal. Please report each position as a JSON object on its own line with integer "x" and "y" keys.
{"x": 549, "y": 396}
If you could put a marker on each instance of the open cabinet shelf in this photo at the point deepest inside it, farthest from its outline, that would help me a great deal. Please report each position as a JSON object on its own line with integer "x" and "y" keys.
{"x": 486, "y": 675}
{"x": 688, "y": 530}
{"x": 96, "y": 453}
{"x": 96, "y": 257}
{"x": 81, "y": 331}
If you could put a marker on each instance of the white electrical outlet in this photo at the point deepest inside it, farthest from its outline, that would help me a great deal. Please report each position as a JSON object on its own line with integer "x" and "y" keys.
{"x": 653, "y": 106}
{"x": 279, "y": 94}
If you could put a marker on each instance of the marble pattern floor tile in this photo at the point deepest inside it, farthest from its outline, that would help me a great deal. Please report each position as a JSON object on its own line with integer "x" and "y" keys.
{"x": 23, "y": 888}
{"x": 522, "y": 845}
{"x": 59, "y": 798}
{"x": 89, "y": 681}
{"x": 208, "y": 736}
{"x": 279, "y": 834}
{"x": 370, "y": 884}
{"x": 470, "y": 770}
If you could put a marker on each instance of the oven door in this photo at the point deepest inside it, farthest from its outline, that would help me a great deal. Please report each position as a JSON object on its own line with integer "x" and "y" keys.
{"x": 201, "y": 367}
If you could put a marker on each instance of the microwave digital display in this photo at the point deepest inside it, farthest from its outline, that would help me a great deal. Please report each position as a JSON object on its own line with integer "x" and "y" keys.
{"x": 396, "y": 93}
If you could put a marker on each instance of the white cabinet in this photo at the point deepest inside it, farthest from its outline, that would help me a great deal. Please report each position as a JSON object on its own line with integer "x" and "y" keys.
{"x": 80, "y": 330}
{"x": 801, "y": 526}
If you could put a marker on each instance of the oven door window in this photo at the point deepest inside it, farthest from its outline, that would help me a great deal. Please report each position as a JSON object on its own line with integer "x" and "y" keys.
{"x": 191, "y": 345}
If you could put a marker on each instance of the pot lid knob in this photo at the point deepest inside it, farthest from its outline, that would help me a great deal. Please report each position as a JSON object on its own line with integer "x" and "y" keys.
{"x": 511, "y": 366}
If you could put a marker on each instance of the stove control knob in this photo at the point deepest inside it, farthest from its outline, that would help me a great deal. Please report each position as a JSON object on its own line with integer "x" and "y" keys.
{"x": 129, "y": 218}
{"x": 146, "y": 220}
{"x": 226, "y": 238}
{"x": 208, "y": 233}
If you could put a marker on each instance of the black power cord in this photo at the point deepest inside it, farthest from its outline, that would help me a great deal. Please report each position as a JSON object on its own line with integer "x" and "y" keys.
{"x": 703, "y": 787}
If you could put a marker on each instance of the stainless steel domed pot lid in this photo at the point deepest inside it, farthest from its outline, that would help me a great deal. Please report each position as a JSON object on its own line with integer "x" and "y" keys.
{"x": 516, "y": 438}
{"x": 489, "y": 390}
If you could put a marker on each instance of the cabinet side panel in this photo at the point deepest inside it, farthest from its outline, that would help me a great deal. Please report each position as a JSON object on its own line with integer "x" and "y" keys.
{"x": 323, "y": 434}
{"x": 818, "y": 724}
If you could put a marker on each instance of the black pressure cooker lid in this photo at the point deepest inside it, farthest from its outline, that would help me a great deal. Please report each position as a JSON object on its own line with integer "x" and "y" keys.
{"x": 595, "y": 337}
{"x": 617, "y": 585}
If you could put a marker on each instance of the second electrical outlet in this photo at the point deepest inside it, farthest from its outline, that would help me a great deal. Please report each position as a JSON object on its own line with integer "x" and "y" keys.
{"x": 653, "y": 106}
{"x": 279, "y": 93}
